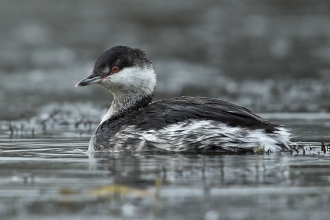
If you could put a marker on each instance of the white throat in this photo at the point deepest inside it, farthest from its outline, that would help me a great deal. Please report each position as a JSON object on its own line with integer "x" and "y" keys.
{"x": 129, "y": 86}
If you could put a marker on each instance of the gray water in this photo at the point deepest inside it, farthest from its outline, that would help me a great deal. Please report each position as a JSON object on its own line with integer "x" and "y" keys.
{"x": 50, "y": 180}
{"x": 47, "y": 174}
{"x": 270, "y": 56}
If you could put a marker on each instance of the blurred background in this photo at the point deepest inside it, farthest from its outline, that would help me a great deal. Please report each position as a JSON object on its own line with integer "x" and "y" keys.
{"x": 268, "y": 55}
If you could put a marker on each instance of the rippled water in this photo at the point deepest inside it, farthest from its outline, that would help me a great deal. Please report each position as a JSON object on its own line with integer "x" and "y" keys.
{"x": 198, "y": 48}
{"x": 51, "y": 175}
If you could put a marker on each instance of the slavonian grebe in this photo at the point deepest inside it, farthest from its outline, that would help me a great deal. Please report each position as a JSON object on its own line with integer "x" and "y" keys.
{"x": 179, "y": 124}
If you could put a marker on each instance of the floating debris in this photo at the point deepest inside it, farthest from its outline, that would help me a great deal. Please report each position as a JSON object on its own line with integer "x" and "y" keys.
{"x": 68, "y": 191}
{"x": 260, "y": 150}
{"x": 310, "y": 148}
{"x": 117, "y": 189}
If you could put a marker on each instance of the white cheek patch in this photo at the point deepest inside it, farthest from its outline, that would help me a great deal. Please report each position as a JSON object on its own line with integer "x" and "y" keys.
{"x": 131, "y": 79}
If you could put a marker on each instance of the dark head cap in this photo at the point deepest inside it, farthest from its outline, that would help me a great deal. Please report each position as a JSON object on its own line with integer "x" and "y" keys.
{"x": 114, "y": 60}
{"x": 121, "y": 56}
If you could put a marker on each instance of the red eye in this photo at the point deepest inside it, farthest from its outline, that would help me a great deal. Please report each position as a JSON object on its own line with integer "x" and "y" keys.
{"x": 115, "y": 69}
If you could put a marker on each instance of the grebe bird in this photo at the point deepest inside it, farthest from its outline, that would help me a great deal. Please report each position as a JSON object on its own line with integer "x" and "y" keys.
{"x": 182, "y": 124}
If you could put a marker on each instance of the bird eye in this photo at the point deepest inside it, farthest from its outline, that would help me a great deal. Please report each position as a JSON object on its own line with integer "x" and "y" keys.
{"x": 115, "y": 69}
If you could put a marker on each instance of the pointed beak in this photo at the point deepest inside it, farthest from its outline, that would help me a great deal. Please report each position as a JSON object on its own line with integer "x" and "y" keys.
{"x": 92, "y": 79}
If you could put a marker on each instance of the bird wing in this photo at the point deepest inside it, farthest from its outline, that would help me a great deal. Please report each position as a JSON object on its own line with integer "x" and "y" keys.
{"x": 162, "y": 113}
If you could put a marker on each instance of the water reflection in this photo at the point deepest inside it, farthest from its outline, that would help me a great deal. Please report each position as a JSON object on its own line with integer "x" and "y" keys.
{"x": 228, "y": 185}
{"x": 279, "y": 169}
{"x": 41, "y": 177}
{"x": 196, "y": 170}
{"x": 48, "y": 172}
{"x": 198, "y": 48}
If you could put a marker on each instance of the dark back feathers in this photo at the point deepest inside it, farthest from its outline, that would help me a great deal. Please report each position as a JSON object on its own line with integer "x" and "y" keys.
{"x": 159, "y": 114}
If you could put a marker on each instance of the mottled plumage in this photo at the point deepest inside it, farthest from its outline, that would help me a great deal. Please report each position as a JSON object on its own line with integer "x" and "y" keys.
{"x": 156, "y": 117}
{"x": 179, "y": 124}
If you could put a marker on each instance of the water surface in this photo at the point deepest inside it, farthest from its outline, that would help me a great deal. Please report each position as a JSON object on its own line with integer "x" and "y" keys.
{"x": 270, "y": 56}
{"x": 51, "y": 174}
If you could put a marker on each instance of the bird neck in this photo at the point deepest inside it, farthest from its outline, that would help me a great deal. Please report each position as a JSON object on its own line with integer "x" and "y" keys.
{"x": 124, "y": 104}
